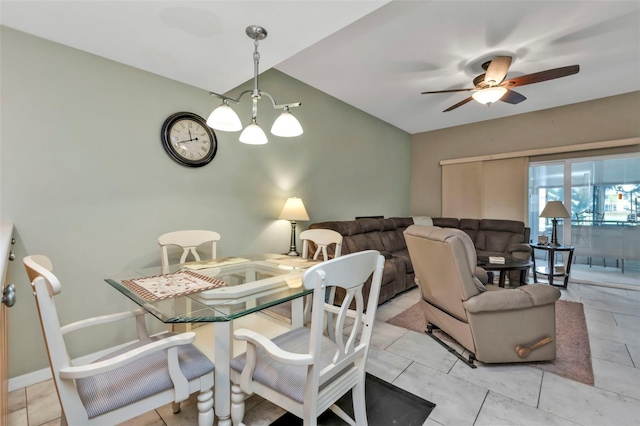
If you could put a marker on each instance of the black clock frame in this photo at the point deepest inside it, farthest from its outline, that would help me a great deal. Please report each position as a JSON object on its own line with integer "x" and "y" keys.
{"x": 166, "y": 141}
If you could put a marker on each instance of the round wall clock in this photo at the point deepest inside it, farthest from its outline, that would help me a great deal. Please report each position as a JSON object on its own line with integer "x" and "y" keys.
{"x": 188, "y": 140}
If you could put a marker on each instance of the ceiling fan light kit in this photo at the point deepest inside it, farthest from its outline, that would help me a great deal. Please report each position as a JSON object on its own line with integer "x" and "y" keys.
{"x": 491, "y": 86}
{"x": 489, "y": 95}
{"x": 224, "y": 118}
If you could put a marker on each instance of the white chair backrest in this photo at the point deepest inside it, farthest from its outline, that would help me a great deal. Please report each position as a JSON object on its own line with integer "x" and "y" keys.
{"x": 45, "y": 287}
{"x": 188, "y": 240}
{"x": 322, "y": 238}
{"x": 349, "y": 272}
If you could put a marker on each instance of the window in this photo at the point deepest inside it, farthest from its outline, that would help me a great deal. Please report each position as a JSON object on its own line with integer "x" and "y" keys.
{"x": 602, "y": 194}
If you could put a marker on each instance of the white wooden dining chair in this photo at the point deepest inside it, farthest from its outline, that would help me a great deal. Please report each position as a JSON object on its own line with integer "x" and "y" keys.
{"x": 130, "y": 380}
{"x": 322, "y": 239}
{"x": 189, "y": 241}
{"x": 303, "y": 370}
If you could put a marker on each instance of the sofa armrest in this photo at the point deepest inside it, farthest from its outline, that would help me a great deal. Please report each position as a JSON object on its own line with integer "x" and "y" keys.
{"x": 481, "y": 275}
{"x": 519, "y": 251}
{"x": 386, "y": 254}
{"x": 510, "y": 299}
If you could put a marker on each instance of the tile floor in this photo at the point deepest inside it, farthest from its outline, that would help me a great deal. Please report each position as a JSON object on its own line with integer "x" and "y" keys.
{"x": 489, "y": 395}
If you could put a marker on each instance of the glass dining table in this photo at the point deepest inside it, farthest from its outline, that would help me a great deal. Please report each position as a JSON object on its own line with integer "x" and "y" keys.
{"x": 242, "y": 286}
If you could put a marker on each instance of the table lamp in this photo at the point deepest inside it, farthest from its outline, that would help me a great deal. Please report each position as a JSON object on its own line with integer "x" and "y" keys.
{"x": 293, "y": 211}
{"x": 554, "y": 210}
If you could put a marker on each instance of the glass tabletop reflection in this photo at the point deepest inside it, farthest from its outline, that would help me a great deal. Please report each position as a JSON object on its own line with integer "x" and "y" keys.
{"x": 251, "y": 283}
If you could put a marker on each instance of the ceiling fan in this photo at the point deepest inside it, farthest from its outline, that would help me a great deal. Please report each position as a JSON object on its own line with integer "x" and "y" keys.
{"x": 492, "y": 86}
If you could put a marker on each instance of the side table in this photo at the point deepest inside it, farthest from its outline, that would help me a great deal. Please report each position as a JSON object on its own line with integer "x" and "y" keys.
{"x": 509, "y": 265}
{"x": 549, "y": 270}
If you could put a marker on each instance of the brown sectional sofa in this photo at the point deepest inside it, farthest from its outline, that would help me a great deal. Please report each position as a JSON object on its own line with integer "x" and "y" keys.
{"x": 491, "y": 237}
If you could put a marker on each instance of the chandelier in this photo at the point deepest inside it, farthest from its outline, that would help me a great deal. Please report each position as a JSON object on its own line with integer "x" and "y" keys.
{"x": 225, "y": 119}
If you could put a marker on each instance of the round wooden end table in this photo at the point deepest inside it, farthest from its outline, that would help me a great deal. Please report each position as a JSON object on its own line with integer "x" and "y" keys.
{"x": 508, "y": 265}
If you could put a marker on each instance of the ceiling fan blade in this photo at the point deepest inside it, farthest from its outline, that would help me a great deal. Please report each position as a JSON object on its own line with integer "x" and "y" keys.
{"x": 512, "y": 97}
{"x": 542, "y": 76}
{"x": 448, "y": 91}
{"x": 497, "y": 70}
{"x": 458, "y": 104}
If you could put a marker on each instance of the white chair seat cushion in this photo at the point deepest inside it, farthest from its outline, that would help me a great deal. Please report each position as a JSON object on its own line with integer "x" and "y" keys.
{"x": 143, "y": 378}
{"x": 287, "y": 379}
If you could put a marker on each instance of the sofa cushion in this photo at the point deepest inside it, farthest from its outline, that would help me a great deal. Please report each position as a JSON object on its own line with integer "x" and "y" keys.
{"x": 402, "y": 222}
{"x": 496, "y": 241}
{"x": 404, "y": 254}
{"x": 361, "y": 242}
{"x": 391, "y": 239}
{"x": 470, "y": 226}
{"x": 370, "y": 225}
{"x": 446, "y": 222}
{"x": 512, "y": 226}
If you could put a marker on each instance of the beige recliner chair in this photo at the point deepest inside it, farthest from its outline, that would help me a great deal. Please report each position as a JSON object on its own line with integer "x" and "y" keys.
{"x": 494, "y": 324}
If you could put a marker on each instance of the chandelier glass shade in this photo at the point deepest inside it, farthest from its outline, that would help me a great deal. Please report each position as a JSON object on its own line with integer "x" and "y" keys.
{"x": 286, "y": 125}
{"x": 489, "y": 95}
{"x": 225, "y": 119}
{"x": 253, "y": 135}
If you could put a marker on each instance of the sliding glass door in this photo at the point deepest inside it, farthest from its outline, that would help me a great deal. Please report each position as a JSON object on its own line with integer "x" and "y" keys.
{"x": 604, "y": 202}
{"x": 602, "y": 194}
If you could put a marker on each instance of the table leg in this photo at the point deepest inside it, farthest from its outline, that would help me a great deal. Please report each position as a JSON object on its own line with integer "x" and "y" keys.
{"x": 222, "y": 389}
{"x": 550, "y": 266}
{"x": 503, "y": 276}
{"x": 297, "y": 312}
{"x": 568, "y": 271}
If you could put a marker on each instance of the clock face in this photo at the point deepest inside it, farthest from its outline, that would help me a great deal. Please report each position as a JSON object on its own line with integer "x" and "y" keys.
{"x": 188, "y": 140}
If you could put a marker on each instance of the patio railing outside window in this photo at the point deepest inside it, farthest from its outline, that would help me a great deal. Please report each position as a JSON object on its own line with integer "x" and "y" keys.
{"x": 603, "y": 197}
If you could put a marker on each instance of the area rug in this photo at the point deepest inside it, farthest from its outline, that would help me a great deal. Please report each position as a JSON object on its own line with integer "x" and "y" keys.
{"x": 386, "y": 405}
{"x": 573, "y": 355}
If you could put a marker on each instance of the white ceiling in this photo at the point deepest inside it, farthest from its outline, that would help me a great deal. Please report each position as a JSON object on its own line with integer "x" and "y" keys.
{"x": 375, "y": 55}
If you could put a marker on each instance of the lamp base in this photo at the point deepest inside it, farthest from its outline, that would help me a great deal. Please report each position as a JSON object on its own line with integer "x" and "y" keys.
{"x": 554, "y": 234}
{"x": 293, "y": 251}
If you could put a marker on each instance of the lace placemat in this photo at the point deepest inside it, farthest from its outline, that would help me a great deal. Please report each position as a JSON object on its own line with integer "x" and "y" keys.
{"x": 165, "y": 286}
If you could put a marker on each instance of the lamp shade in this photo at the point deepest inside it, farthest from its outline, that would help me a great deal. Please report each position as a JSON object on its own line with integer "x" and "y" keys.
{"x": 294, "y": 210}
{"x": 286, "y": 125}
{"x": 489, "y": 95}
{"x": 554, "y": 209}
{"x": 224, "y": 118}
{"x": 253, "y": 135}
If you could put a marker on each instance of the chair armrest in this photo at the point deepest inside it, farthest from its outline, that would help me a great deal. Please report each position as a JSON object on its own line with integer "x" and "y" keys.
{"x": 116, "y": 362}
{"x": 509, "y": 299}
{"x": 104, "y": 319}
{"x": 273, "y": 350}
{"x": 523, "y": 248}
{"x": 138, "y": 314}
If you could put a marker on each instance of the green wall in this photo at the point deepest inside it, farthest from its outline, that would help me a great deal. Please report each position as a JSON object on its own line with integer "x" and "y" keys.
{"x": 87, "y": 182}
